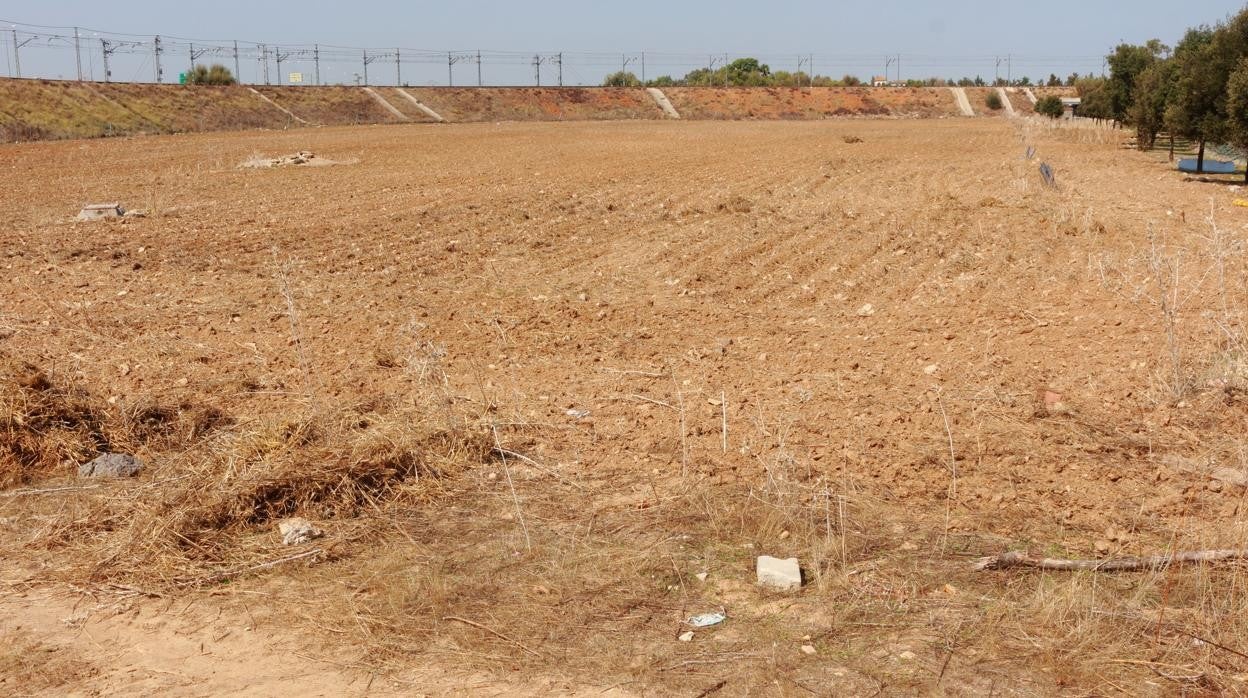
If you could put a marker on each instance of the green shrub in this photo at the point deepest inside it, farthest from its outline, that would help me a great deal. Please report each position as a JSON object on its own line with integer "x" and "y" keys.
{"x": 1051, "y": 107}
{"x": 621, "y": 79}
{"x": 216, "y": 75}
{"x": 994, "y": 101}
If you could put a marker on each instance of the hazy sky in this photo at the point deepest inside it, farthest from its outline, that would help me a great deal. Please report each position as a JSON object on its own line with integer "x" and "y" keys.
{"x": 948, "y": 39}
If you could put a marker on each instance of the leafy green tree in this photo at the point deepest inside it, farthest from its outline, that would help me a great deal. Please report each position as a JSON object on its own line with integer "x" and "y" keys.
{"x": 1094, "y": 100}
{"x": 1195, "y": 105}
{"x": 1153, "y": 90}
{"x": 1237, "y": 107}
{"x": 1125, "y": 65}
{"x": 215, "y": 75}
{"x": 1050, "y": 106}
{"x": 663, "y": 81}
{"x": 621, "y": 79}
{"x": 745, "y": 72}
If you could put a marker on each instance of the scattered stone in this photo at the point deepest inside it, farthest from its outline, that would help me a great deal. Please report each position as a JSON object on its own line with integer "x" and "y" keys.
{"x": 907, "y": 656}
{"x": 578, "y": 414}
{"x": 297, "y": 531}
{"x": 784, "y": 535}
{"x": 866, "y": 311}
{"x": 701, "y": 576}
{"x": 909, "y": 546}
{"x": 932, "y": 369}
{"x": 686, "y": 636}
{"x": 111, "y": 465}
{"x": 1103, "y": 546}
{"x": 808, "y": 649}
{"x": 782, "y": 575}
{"x": 99, "y": 212}
{"x": 135, "y": 214}
{"x": 303, "y": 157}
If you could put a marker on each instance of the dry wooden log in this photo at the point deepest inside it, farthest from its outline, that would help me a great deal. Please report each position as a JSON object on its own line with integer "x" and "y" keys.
{"x": 1019, "y": 558}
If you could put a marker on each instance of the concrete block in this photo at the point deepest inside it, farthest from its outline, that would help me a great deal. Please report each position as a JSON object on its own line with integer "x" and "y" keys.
{"x": 781, "y": 575}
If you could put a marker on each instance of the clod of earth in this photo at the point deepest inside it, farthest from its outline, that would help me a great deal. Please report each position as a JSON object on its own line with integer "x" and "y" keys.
{"x": 99, "y": 212}
{"x": 111, "y": 465}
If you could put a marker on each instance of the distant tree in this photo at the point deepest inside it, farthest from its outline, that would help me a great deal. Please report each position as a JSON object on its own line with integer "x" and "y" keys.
{"x": 993, "y": 100}
{"x": 1024, "y": 82}
{"x": 1125, "y": 65}
{"x": 1054, "y": 81}
{"x": 1152, "y": 92}
{"x": 701, "y": 77}
{"x": 1094, "y": 100}
{"x": 748, "y": 72}
{"x": 1195, "y": 105}
{"x": 662, "y": 81}
{"x": 215, "y": 75}
{"x": 1072, "y": 79}
{"x": 1050, "y": 106}
{"x": 979, "y": 82}
{"x": 621, "y": 79}
{"x": 1237, "y": 107}
{"x": 851, "y": 81}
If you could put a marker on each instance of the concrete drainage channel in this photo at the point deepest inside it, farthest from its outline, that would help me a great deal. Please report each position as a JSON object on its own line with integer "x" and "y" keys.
{"x": 964, "y": 104}
{"x": 386, "y": 105}
{"x": 664, "y": 103}
{"x": 420, "y": 105}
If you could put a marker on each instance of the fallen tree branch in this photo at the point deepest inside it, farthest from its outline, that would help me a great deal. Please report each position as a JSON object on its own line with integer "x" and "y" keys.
{"x": 254, "y": 568}
{"x": 1020, "y": 558}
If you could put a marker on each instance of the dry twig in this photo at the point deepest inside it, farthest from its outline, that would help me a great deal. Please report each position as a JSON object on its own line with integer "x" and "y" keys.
{"x": 1020, "y": 558}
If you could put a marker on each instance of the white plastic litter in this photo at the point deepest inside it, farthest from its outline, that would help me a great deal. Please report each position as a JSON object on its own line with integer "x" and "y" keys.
{"x": 706, "y": 620}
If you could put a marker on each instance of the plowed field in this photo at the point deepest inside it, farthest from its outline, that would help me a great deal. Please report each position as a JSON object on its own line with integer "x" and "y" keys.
{"x": 883, "y": 347}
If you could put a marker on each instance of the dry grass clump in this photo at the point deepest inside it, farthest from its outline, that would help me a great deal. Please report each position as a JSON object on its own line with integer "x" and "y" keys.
{"x": 44, "y": 424}
{"x": 212, "y": 507}
{"x": 211, "y": 483}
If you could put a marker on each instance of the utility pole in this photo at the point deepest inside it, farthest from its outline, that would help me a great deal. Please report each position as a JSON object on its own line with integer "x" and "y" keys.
{"x": 316, "y": 61}
{"x": 108, "y": 50}
{"x": 887, "y": 64}
{"x": 279, "y": 57}
{"x": 479, "y": 83}
{"x": 643, "y": 67}
{"x": 450, "y": 72}
{"x": 17, "y": 57}
{"x": 1009, "y": 69}
{"x": 156, "y": 51}
{"x": 238, "y": 73}
{"x": 398, "y": 70}
{"x": 366, "y": 67}
{"x": 192, "y": 55}
{"x": 78, "y": 53}
{"x": 559, "y": 60}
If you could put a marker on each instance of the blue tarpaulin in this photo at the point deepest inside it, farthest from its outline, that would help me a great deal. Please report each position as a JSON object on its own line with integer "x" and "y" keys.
{"x": 1211, "y": 166}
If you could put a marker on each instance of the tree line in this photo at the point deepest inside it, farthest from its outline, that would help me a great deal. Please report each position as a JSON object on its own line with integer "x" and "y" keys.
{"x": 1198, "y": 90}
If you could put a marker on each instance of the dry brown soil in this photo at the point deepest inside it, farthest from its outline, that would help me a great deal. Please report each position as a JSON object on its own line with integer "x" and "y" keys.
{"x": 859, "y": 332}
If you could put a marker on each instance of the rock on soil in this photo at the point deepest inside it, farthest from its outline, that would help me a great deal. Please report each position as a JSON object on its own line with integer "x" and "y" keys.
{"x": 782, "y": 575}
{"x": 302, "y": 157}
{"x": 297, "y": 531}
{"x": 111, "y": 465}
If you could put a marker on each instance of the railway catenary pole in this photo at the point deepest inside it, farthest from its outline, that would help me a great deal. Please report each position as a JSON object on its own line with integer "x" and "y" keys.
{"x": 398, "y": 70}
{"x": 316, "y": 61}
{"x": 238, "y": 71}
{"x": 156, "y": 51}
{"x": 191, "y": 53}
{"x": 643, "y": 67}
{"x": 17, "y": 56}
{"x": 107, "y": 72}
{"x": 559, "y": 59}
{"x": 366, "y": 67}
{"x": 450, "y": 70}
{"x": 78, "y": 53}
{"x": 479, "y": 83}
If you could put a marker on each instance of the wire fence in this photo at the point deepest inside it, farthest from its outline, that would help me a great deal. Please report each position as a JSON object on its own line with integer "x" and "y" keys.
{"x": 79, "y": 53}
